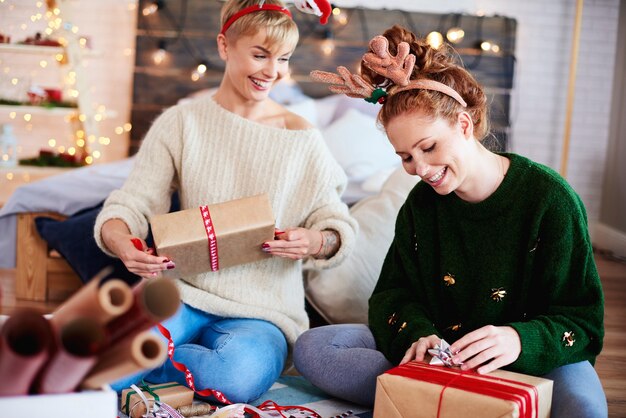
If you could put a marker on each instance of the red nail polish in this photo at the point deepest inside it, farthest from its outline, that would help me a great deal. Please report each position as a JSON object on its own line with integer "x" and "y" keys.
{"x": 171, "y": 266}
{"x": 167, "y": 260}
{"x": 137, "y": 243}
{"x": 265, "y": 245}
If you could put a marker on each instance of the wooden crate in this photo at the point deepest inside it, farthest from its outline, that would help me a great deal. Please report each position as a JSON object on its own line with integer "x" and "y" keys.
{"x": 41, "y": 275}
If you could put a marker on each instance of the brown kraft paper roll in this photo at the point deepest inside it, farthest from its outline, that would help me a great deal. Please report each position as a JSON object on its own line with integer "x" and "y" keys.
{"x": 78, "y": 343}
{"x": 99, "y": 299}
{"x": 135, "y": 353}
{"x": 155, "y": 300}
{"x": 25, "y": 340}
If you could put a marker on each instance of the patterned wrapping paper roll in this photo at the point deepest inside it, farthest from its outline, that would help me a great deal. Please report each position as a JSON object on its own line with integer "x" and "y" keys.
{"x": 133, "y": 354}
{"x": 155, "y": 300}
{"x": 78, "y": 343}
{"x": 100, "y": 299}
{"x": 25, "y": 339}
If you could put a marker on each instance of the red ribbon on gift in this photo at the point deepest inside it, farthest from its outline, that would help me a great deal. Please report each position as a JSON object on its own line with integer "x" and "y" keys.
{"x": 524, "y": 395}
{"x": 210, "y": 232}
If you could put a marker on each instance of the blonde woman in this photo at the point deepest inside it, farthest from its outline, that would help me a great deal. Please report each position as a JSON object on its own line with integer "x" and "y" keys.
{"x": 235, "y": 326}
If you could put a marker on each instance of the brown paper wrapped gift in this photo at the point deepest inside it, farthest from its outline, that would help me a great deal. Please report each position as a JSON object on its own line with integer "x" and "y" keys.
{"x": 216, "y": 236}
{"x": 414, "y": 390}
{"x": 172, "y": 393}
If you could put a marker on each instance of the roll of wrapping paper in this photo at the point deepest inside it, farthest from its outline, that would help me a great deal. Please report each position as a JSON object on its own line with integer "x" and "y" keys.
{"x": 155, "y": 300}
{"x": 100, "y": 299}
{"x": 77, "y": 345}
{"x": 133, "y": 354}
{"x": 25, "y": 340}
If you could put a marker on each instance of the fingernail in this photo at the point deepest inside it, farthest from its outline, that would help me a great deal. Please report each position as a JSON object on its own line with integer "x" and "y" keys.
{"x": 167, "y": 260}
{"x": 171, "y": 266}
{"x": 265, "y": 245}
{"x": 137, "y": 243}
{"x": 154, "y": 274}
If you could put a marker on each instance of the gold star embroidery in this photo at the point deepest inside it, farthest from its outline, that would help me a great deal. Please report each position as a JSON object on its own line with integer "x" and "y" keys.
{"x": 568, "y": 338}
{"x": 393, "y": 318}
{"x": 455, "y": 327}
{"x": 449, "y": 279}
{"x": 498, "y": 294}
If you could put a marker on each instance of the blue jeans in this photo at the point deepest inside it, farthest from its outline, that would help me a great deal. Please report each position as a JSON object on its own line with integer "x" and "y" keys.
{"x": 239, "y": 357}
{"x": 342, "y": 360}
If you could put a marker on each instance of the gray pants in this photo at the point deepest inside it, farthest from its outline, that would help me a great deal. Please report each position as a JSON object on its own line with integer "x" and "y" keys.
{"x": 342, "y": 360}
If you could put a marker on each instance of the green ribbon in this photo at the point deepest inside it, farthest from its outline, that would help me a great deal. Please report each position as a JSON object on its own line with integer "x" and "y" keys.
{"x": 376, "y": 95}
{"x": 144, "y": 386}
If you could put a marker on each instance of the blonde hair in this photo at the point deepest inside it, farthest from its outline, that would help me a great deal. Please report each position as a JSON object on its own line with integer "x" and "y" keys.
{"x": 281, "y": 29}
{"x": 438, "y": 65}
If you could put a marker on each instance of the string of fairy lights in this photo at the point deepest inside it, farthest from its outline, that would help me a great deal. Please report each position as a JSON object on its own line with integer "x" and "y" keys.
{"x": 451, "y": 30}
{"x": 19, "y": 90}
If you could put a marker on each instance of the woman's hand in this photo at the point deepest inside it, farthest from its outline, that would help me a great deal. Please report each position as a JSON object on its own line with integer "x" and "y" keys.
{"x": 418, "y": 349}
{"x": 298, "y": 243}
{"x": 133, "y": 252}
{"x": 489, "y": 347}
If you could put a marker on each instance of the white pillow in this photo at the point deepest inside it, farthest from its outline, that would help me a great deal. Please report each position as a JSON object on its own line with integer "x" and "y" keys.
{"x": 340, "y": 294}
{"x": 306, "y": 109}
{"x": 359, "y": 146}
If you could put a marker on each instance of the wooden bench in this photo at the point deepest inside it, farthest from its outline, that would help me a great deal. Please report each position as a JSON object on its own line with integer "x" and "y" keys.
{"x": 41, "y": 274}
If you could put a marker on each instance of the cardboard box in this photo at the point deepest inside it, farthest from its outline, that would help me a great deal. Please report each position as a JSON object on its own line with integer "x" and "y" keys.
{"x": 92, "y": 404}
{"x": 214, "y": 237}
{"x": 172, "y": 393}
{"x": 413, "y": 390}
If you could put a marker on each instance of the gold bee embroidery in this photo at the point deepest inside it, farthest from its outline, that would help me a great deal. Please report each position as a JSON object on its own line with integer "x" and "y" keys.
{"x": 402, "y": 327}
{"x": 568, "y": 338}
{"x": 449, "y": 279}
{"x": 498, "y": 294}
{"x": 455, "y": 327}
{"x": 393, "y": 318}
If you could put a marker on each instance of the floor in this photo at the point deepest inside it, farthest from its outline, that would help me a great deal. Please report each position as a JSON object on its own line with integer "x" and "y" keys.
{"x": 611, "y": 364}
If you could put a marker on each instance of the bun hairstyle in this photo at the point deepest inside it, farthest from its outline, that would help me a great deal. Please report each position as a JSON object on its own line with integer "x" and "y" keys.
{"x": 438, "y": 65}
{"x": 281, "y": 29}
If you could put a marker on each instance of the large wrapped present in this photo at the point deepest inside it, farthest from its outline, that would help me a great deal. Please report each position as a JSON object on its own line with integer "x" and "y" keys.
{"x": 216, "y": 236}
{"x": 419, "y": 390}
{"x": 172, "y": 393}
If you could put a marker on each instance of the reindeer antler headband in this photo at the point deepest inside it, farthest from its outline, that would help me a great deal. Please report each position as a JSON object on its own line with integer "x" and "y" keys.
{"x": 396, "y": 69}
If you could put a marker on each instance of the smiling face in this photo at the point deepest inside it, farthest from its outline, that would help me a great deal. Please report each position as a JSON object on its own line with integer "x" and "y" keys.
{"x": 434, "y": 150}
{"x": 252, "y": 65}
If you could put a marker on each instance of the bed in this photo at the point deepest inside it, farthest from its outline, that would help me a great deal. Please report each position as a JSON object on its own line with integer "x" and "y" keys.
{"x": 60, "y": 208}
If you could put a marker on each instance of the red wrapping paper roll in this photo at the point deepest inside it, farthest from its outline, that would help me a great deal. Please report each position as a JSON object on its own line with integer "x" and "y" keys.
{"x": 155, "y": 300}
{"x": 25, "y": 340}
{"x": 77, "y": 345}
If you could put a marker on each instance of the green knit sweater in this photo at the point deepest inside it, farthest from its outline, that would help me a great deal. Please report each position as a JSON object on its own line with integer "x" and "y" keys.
{"x": 521, "y": 258}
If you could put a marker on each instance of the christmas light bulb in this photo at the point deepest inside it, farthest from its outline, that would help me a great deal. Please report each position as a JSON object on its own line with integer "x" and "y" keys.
{"x": 150, "y": 9}
{"x": 327, "y": 47}
{"x": 455, "y": 35}
{"x": 434, "y": 39}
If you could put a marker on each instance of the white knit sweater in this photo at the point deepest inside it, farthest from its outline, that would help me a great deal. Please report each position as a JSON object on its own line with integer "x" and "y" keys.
{"x": 212, "y": 155}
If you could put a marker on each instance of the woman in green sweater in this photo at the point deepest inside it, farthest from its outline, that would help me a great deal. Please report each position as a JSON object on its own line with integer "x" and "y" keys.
{"x": 491, "y": 251}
